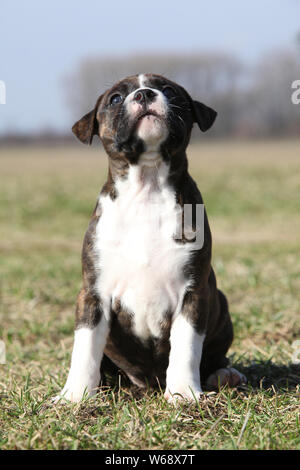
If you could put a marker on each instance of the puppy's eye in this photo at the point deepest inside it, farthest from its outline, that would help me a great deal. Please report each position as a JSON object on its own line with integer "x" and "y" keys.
{"x": 115, "y": 99}
{"x": 169, "y": 92}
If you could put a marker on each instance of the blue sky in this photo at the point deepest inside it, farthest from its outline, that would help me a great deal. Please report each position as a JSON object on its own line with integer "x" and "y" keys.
{"x": 42, "y": 41}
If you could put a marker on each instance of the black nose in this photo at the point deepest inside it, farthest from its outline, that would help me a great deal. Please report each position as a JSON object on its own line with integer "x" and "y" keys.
{"x": 144, "y": 95}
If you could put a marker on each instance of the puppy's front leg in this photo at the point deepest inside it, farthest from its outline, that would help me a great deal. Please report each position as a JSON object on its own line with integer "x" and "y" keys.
{"x": 89, "y": 342}
{"x": 183, "y": 372}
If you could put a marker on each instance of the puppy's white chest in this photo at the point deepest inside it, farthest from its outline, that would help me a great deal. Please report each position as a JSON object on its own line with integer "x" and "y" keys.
{"x": 139, "y": 262}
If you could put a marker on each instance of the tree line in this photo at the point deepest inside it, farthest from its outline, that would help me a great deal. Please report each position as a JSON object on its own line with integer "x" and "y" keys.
{"x": 252, "y": 100}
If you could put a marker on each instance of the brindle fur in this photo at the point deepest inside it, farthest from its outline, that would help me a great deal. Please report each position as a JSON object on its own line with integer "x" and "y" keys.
{"x": 204, "y": 305}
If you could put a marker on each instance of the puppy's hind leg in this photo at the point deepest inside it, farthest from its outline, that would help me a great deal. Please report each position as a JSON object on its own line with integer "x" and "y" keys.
{"x": 225, "y": 376}
{"x": 215, "y": 364}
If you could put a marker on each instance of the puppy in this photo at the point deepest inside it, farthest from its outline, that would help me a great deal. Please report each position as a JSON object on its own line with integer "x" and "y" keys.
{"x": 149, "y": 302}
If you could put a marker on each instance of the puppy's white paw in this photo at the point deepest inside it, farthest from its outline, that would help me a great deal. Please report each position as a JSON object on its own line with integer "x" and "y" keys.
{"x": 225, "y": 376}
{"x": 182, "y": 393}
{"x": 59, "y": 399}
{"x": 72, "y": 395}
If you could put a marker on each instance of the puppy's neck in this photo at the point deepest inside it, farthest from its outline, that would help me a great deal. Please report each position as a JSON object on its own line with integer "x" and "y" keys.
{"x": 152, "y": 170}
{"x": 144, "y": 178}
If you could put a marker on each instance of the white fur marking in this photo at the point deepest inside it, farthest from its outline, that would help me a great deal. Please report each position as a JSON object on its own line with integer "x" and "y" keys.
{"x": 84, "y": 374}
{"x": 139, "y": 261}
{"x": 151, "y": 129}
{"x": 183, "y": 373}
{"x": 142, "y": 80}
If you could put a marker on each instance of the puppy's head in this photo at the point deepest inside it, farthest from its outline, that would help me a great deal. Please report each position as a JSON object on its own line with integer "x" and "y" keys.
{"x": 144, "y": 114}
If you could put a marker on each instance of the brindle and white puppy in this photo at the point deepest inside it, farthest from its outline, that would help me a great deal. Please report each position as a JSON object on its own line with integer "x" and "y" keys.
{"x": 149, "y": 303}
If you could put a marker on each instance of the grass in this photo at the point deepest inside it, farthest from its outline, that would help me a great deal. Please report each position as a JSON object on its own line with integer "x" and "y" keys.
{"x": 251, "y": 192}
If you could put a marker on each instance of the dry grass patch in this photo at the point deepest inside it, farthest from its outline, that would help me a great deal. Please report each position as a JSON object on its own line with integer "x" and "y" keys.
{"x": 251, "y": 194}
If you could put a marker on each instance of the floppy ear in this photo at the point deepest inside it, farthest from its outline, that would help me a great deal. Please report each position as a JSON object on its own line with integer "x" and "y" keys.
{"x": 203, "y": 115}
{"x": 87, "y": 126}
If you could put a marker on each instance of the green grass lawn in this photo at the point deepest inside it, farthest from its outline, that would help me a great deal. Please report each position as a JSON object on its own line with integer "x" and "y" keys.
{"x": 252, "y": 196}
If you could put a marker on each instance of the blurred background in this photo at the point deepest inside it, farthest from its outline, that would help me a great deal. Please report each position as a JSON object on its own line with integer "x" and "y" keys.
{"x": 241, "y": 58}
